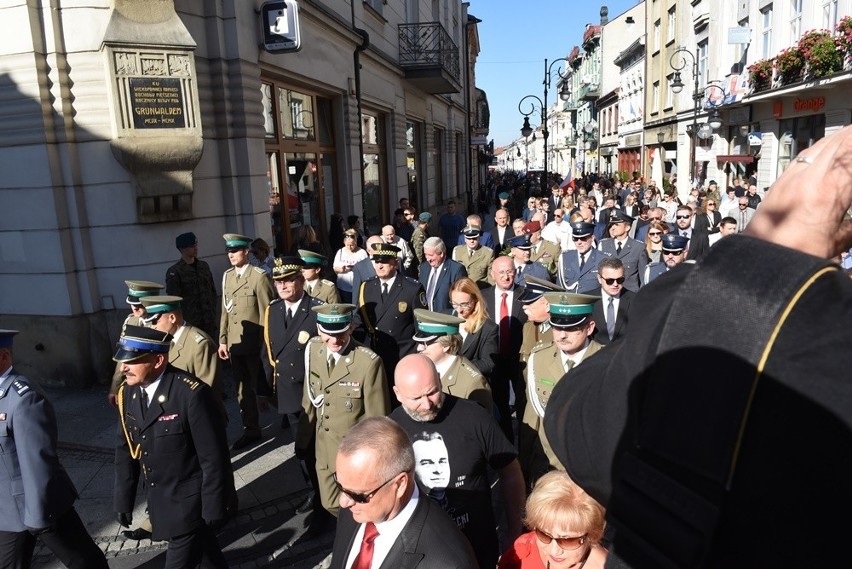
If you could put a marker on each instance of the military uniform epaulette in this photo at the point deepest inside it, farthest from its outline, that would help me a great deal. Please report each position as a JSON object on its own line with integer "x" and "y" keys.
{"x": 326, "y": 282}
{"x": 275, "y": 301}
{"x": 412, "y": 280}
{"x": 199, "y": 338}
{"x": 259, "y": 270}
{"x": 20, "y": 386}
{"x": 373, "y": 278}
{"x": 230, "y": 269}
{"x": 190, "y": 382}
{"x": 315, "y": 339}
{"x": 540, "y": 346}
{"x": 471, "y": 368}
{"x": 373, "y": 355}
{"x": 316, "y": 302}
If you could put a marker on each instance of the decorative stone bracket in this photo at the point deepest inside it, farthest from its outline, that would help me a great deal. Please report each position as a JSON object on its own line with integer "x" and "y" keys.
{"x": 154, "y": 102}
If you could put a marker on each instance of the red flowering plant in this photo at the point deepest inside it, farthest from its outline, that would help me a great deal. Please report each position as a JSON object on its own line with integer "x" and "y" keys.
{"x": 843, "y": 34}
{"x": 760, "y": 74}
{"x": 822, "y": 53}
{"x": 789, "y": 64}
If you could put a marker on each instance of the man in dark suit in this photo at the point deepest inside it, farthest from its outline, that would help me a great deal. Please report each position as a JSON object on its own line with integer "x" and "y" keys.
{"x": 438, "y": 274}
{"x": 172, "y": 429}
{"x": 36, "y": 494}
{"x": 501, "y": 302}
{"x": 501, "y": 232}
{"x": 630, "y": 251}
{"x": 611, "y": 311}
{"x": 689, "y": 461}
{"x": 288, "y": 325}
{"x": 384, "y": 521}
{"x": 386, "y": 306}
{"x": 578, "y": 269}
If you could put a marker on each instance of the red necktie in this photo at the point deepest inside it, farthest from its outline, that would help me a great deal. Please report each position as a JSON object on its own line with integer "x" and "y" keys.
{"x": 365, "y": 555}
{"x": 504, "y": 326}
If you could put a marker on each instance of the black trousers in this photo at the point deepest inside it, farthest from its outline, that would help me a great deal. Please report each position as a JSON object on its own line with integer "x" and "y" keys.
{"x": 68, "y": 540}
{"x": 193, "y": 549}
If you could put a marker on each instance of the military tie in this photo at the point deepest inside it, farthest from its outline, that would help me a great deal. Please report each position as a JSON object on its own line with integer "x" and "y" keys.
{"x": 144, "y": 401}
{"x": 384, "y": 290}
{"x": 610, "y": 318}
{"x": 618, "y": 247}
{"x": 288, "y": 317}
{"x": 310, "y": 289}
{"x": 569, "y": 363}
{"x": 469, "y": 253}
{"x": 582, "y": 260}
{"x": 331, "y": 363}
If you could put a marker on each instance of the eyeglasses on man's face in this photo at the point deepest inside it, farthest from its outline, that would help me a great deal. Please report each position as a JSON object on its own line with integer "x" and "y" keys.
{"x": 673, "y": 253}
{"x": 586, "y": 238}
{"x": 619, "y": 280}
{"x": 683, "y": 216}
{"x": 358, "y": 497}
{"x": 565, "y": 543}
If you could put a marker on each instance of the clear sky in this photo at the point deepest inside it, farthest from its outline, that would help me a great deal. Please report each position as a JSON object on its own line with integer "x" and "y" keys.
{"x": 515, "y": 38}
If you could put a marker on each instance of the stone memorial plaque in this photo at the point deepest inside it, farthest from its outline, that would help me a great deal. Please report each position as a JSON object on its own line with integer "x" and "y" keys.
{"x": 156, "y": 102}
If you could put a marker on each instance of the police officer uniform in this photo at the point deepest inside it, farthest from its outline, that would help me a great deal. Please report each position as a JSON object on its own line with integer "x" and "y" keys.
{"x": 461, "y": 378}
{"x": 337, "y": 395}
{"x": 245, "y": 297}
{"x": 321, "y": 289}
{"x": 194, "y": 283}
{"x": 546, "y": 366}
{"x": 36, "y": 494}
{"x": 136, "y": 291}
{"x": 177, "y": 441}
{"x": 671, "y": 242}
{"x": 477, "y": 262}
{"x": 632, "y": 252}
{"x": 387, "y": 321}
{"x": 573, "y": 276}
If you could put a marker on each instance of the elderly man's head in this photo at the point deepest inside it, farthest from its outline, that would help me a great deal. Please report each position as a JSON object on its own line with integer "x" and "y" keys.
{"x": 435, "y": 251}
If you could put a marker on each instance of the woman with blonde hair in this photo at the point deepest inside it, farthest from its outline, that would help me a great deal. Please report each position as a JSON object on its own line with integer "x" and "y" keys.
{"x": 567, "y": 526}
{"x": 479, "y": 332}
{"x": 654, "y": 240}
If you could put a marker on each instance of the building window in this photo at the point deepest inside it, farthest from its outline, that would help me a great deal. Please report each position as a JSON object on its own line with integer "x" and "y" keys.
{"x": 657, "y": 35}
{"x": 376, "y": 5}
{"x": 655, "y": 98}
{"x": 414, "y": 163}
{"x": 374, "y": 162}
{"x": 795, "y": 19}
{"x": 670, "y": 32}
{"x": 438, "y": 164}
{"x": 796, "y": 135}
{"x": 829, "y": 14}
{"x": 766, "y": 43}
{"x": 669, "y": 94}
{"x": 702, "y": 62}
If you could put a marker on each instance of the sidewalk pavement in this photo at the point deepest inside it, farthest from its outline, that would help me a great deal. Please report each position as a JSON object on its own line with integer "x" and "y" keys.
{"x": 266, "y": 531}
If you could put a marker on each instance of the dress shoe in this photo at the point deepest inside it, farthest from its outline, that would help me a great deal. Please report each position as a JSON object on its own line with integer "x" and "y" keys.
{"x": 245, "y": 441}
{"x": 136, "y": 534}
{"x": 307, "y": 504}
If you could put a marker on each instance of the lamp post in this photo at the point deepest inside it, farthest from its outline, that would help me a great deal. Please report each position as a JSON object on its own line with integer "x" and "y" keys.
{"x": 564, "y": 94}
{"x": 678, "y": 62}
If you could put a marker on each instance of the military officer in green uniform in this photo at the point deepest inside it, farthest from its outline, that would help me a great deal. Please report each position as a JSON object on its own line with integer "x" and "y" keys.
{"x": 246, "y": 292}
{"x": 438, "y": 339}
{"x": 345, "y": 382}
{"x": 136, "y": 291}
{"x": 475, "y": 258}
{"x": 572, "y": 328}
{"x": 191, "y": 279}
{"x": 419, "y": 237}
{"x": 191, "y": 350}
{"x": 321, "y": 289}
{"x": 543, "y": 252}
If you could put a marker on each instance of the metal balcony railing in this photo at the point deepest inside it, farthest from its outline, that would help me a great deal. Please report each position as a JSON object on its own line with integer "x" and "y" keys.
{"x": 426, "y": 45}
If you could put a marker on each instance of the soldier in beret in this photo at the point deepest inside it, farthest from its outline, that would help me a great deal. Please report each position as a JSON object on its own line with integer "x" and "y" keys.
{"x": 572, "y": 327}
{"x": 673, "y": 254}
{"x": 172, "y": 431}
{"x": 191, "y": 279}
{"x": 246, "y": 292}
{"x": 321, "y": 289}
{"x": 386, "y": 306}
{"x": 288, "y": 324}
{"x": 36, "y": 494}
{"x": 136, "y": 291}
{"x": 344, "y": 383}
{"x": 542, "y": 252}
{"x": 438, "y": 339}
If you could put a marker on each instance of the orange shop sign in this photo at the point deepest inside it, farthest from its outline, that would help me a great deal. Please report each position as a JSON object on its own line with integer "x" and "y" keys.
{"x": 813, "y": 104}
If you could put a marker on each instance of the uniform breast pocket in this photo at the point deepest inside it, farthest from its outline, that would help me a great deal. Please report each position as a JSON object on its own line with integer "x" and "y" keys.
{"x": 7, "y": 443}
{"x": 169, "y": 436}
{"x": 352, "y": 400}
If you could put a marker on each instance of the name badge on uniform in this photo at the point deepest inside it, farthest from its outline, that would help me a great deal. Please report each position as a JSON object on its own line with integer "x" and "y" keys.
{"x": 2, "y": 416}
{"x": 168, "y": 417}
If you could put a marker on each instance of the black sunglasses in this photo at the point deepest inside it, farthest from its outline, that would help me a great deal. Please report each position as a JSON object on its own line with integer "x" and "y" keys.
{"x": 619, "y": 280}
{"x": 358, "y": 497}
{"x": 586, "y": 238}
{"x": 684, "y": 216}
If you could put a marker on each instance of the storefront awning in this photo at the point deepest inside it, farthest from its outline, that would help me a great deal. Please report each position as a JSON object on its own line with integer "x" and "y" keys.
{"x": 735, "y": 158}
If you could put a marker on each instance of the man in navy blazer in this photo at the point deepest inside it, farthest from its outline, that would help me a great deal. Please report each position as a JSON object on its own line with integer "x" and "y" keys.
{"x": 630, "y": 251}
{"x": 446, "y": 272}
{"x": 380, "y": 504}
{"x": 578, "y": 269}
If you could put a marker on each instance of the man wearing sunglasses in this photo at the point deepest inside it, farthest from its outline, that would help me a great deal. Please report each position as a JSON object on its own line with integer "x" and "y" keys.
{"x": 611, "y": 311}
{"x": 384, "y": 520}
{"x": 578, "y": 268}
{"x": 674, "y": 253}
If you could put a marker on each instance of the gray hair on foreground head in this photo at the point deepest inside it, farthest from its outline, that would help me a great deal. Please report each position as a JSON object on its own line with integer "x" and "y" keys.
{"x": 386, "y": 439}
